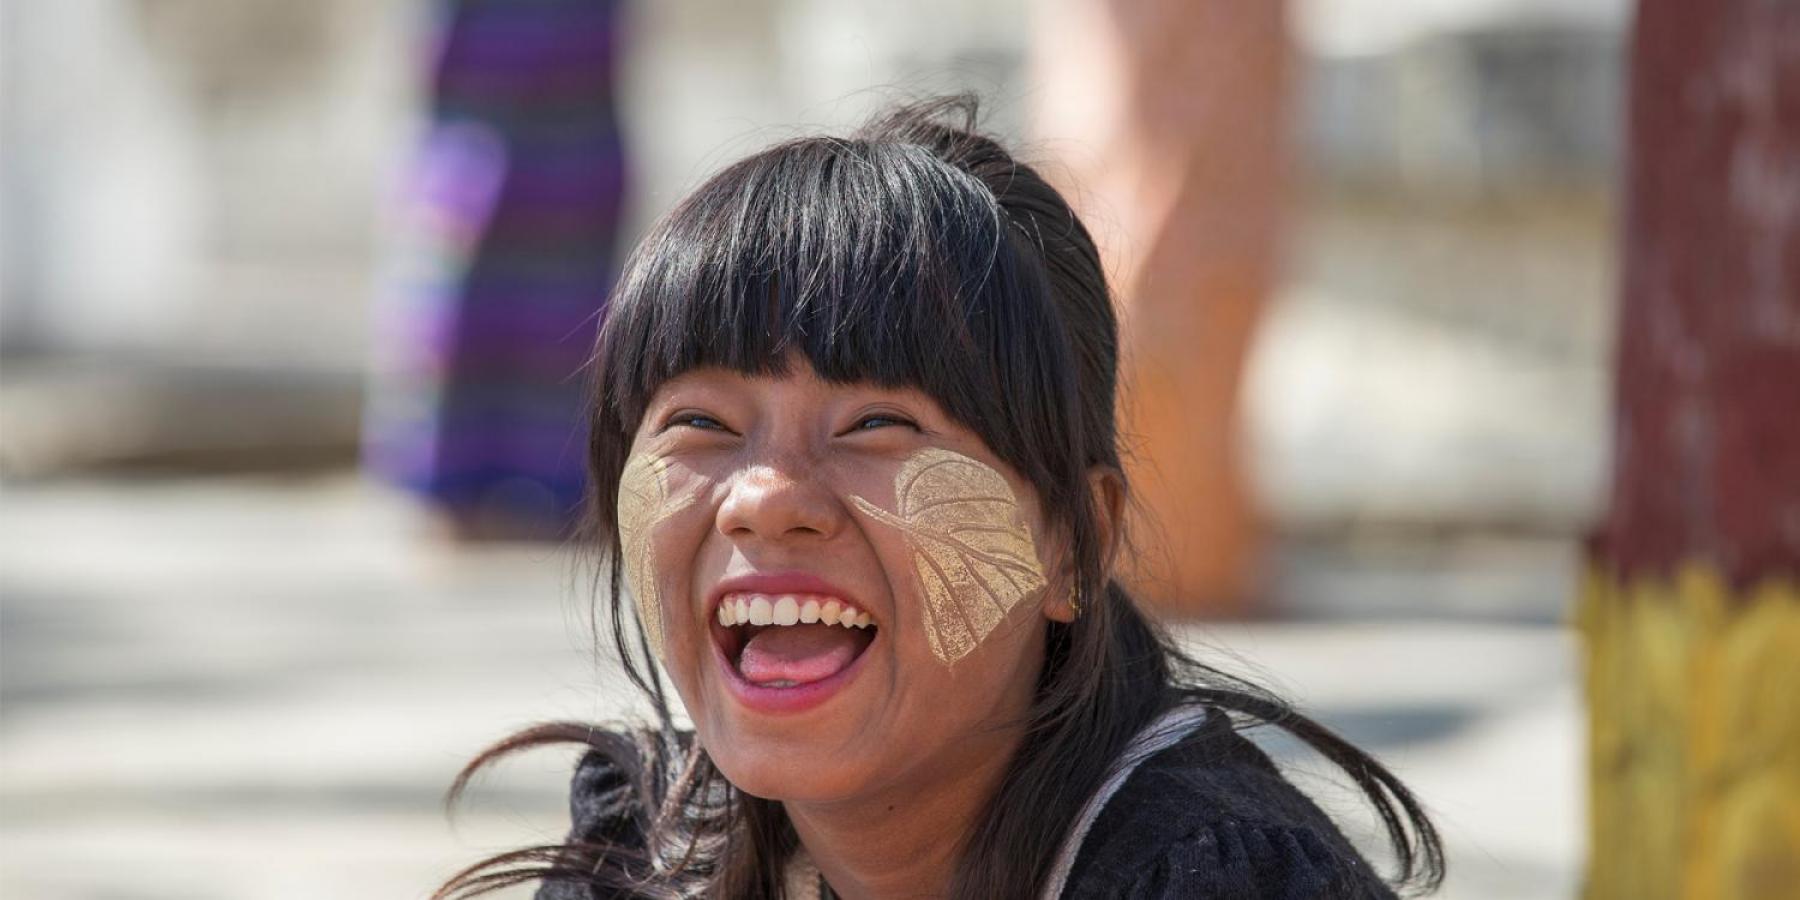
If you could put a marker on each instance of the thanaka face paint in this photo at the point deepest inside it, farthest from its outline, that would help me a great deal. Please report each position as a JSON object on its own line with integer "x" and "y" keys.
{"x": 644, "y": 502}
{"x": 972, "y": 548}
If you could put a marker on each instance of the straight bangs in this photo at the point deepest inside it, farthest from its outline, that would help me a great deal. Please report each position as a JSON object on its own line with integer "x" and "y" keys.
{"x": 876, "y": 260}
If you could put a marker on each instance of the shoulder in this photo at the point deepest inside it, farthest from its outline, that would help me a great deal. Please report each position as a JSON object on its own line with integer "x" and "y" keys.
{"x": 602, "y": 799}
{"x": 605, "y": 806}
{"x": 1213, "y": 817}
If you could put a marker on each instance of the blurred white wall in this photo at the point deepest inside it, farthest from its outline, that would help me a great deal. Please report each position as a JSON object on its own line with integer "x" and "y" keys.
{"x": 186, "y": 177}
{"x": 712, "y": 80}
{"x": 102, "y": 204}
{"x": 194, "y": 182}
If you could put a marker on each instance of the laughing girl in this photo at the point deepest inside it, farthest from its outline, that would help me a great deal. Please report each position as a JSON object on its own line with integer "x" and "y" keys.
{"x": 855, "y": 468}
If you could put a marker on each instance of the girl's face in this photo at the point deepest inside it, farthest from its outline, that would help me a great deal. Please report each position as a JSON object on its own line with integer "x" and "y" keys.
{"x": 754, "y": 511}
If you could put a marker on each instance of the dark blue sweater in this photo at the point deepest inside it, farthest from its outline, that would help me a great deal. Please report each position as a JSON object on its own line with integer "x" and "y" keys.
{"x": 1210, "y": 818}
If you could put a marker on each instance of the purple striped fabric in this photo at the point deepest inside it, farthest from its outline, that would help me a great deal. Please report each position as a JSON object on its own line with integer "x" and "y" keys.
{"x": 509, "y": 221}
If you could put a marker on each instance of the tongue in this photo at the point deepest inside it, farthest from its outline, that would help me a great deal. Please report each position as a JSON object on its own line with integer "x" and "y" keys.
{"x": 798, "y": 653}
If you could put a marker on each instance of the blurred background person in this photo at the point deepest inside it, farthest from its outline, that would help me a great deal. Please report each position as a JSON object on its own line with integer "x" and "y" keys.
{"x": 1171, "y": 119}
{"x": 509, "y": 222}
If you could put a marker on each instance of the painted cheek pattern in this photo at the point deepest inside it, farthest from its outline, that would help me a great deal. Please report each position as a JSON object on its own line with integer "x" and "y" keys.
{"x": 644, "y": 502}
{"x": 971, "y": 546}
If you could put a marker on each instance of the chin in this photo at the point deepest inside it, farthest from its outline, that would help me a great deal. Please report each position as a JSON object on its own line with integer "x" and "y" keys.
{"x": 777, "y": 770}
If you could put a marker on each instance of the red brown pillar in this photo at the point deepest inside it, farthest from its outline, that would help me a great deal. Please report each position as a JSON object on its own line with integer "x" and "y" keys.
{"x": 1690, "y": 613}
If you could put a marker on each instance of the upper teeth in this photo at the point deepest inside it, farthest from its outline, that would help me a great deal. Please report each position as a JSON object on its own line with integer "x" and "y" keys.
{"x": 789, "y": 609}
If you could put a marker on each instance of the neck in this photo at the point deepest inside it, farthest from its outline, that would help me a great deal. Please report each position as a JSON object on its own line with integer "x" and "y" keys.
{"x": 907, "y": 840}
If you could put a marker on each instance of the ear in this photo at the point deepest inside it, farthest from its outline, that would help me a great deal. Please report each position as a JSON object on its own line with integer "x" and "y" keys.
{"x": 1107, "y": 486}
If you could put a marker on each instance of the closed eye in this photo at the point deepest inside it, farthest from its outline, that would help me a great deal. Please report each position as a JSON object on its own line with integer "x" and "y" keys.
{"x": 862, "y": 424}
{"x": 696, "y": 420}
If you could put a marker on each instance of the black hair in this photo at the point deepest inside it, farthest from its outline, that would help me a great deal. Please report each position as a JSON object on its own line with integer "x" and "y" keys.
{"x": 915, "y": 252}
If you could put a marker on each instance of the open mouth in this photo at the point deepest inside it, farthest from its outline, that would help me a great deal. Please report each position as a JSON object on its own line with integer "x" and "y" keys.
{"x": 785, "y": 641}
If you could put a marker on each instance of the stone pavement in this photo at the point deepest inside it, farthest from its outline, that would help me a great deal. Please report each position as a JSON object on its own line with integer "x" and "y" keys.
{"x": 259, "y": 687}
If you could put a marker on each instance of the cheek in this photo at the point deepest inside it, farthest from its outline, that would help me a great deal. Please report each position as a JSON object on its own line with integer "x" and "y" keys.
{"x": 652, "y": 503}
{"x": 972, "y": 555}
{"x": 677, "y": 542}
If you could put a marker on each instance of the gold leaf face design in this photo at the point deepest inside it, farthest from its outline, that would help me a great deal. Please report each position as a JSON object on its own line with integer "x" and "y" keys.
{"x": 971, "y": 546}
{"x": 644, "y": 502}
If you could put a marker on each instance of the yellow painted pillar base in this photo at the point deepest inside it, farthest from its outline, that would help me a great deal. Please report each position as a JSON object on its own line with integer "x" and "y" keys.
{"x": 1694, "y": 696}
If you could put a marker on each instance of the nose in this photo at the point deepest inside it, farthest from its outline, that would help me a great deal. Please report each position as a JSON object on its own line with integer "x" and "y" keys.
{"x": 769, "y": 503}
